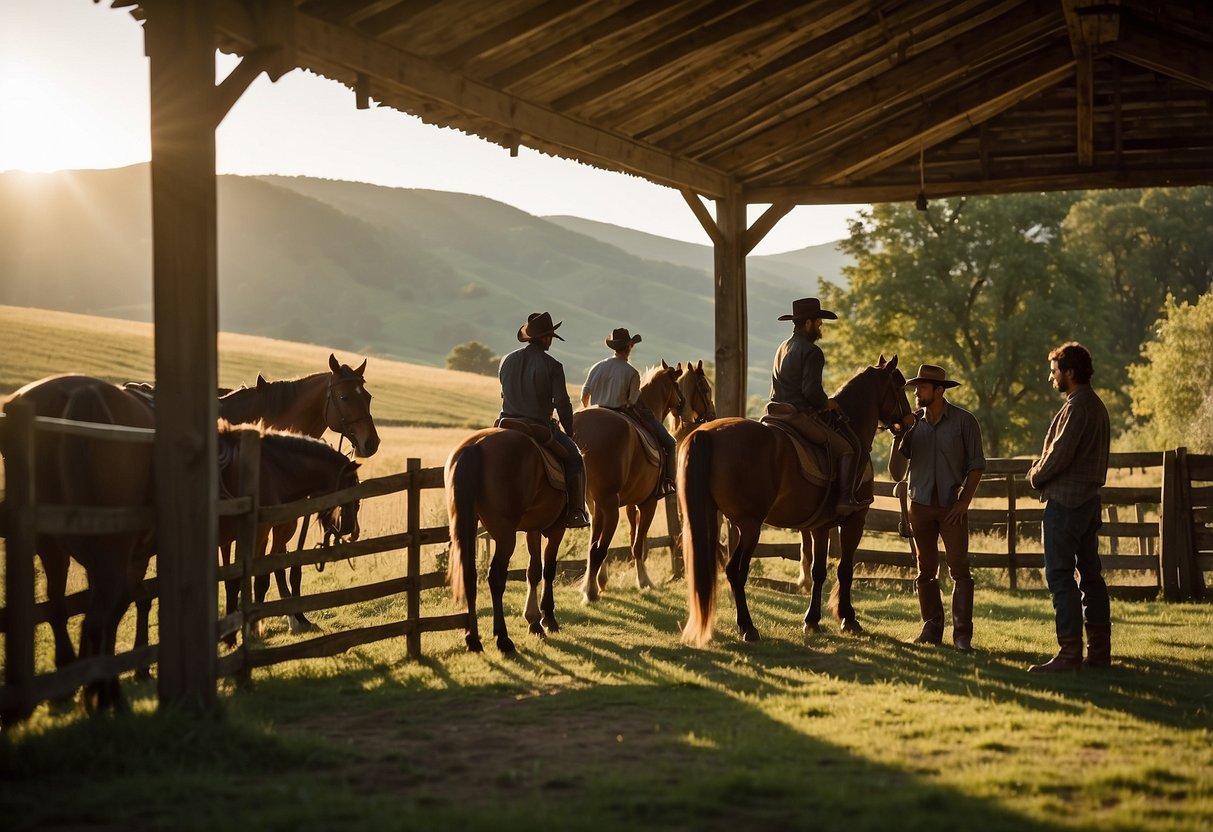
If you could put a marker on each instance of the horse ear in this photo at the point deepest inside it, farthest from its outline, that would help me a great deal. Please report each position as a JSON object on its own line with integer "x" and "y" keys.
{"x": 361, "y": 368}
{"x": 700, "y": 365}
{"x": 261, "y": 382}
{"x": 881, "y": 362}
{"x": 678, "y": 366}
{"x": 664, "y": 366}
{"x": 678, "y": 371}
{"x": 892, "y": 363}
{"x": 334, "y": 364}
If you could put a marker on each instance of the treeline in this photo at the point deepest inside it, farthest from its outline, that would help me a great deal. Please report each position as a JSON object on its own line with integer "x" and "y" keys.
{"x": 986, "y": 286}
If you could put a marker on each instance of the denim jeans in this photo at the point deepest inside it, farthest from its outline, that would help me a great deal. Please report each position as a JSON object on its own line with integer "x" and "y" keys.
{"x": 1071, "y": 543}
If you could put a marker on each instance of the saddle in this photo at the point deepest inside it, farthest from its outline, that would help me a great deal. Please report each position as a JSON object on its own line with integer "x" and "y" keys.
{"x": 815, "y": 463}
{"x": 551, "y": 452}
{"x": 647, "y": 441}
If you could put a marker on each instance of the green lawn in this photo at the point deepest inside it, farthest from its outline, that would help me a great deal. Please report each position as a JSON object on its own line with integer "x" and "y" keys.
{"x": 611, "y": 723}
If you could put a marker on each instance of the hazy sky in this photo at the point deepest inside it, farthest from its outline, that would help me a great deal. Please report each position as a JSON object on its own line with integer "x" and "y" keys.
{"x": 74, "y": 91}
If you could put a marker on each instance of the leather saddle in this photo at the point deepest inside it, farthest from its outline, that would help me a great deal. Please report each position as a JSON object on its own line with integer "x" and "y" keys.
{"x": 815, "y": 463}
{"x": 647, "y": 441}
{"x": 551, "y": 452}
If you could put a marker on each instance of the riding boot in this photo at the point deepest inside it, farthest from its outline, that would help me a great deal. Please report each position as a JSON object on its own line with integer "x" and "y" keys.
{"x": 1099, "y": 645}
{"x": 667, "y": 486}
{"x": 1068, "y": 658}
{"x": 931, "y": 605}
{"x": 962, "y": 615}
{"x": 847, "y": 471}
{"x": 576, "y": 517}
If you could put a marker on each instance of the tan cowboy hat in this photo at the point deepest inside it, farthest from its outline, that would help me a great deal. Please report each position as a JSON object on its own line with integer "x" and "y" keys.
{"x": 538, "y": 324}
{"x": 932, "y": 374}
{"x": 806, "y": 309}
{"x": 620, "y": 338}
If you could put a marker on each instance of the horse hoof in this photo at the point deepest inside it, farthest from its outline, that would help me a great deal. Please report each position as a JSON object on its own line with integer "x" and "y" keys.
{"x": 474, "y": 645}
{"x": 537, "y": 630}
{"x": 549, "y": 622}
{"x": 505, "y": 645}
{"x": 297, "y": 627}
{"x": 589, "y": 597}
{"x": 750, "y": 634}
{"x": 811, "y": 628}
{"x": 851, "y": 626}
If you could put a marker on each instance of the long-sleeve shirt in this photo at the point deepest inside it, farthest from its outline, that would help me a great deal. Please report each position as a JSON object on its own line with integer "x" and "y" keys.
{"x": 532, "y": 385}
{"x": 942, "y": 455}
{"x": 612, "y": 382}
{"x": 796, "y": 374}
{"x": 1074, "y": 462}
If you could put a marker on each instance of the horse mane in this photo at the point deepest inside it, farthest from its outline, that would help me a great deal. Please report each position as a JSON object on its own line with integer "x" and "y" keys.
{"x": 650, "y": 373}
{"x": 852, "y": 384}
{"x": 277, "y": 395}
{"x": 285, "y": 440}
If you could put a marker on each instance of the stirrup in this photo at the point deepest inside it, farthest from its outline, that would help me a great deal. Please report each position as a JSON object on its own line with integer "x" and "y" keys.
{"x": 576, "y": 519}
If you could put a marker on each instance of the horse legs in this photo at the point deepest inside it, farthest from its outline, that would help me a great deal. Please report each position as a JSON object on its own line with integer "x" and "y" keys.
{"x": 109, "y": 596}
{"x": 840, "y": 598}
{"x": 814, "y": 550}
{"x": 548, "y": 603}
{"x": 602, "y": 531}
{"x": 55, "y": 564}
{"x": 534, "y": 571}
{"x": 639, "y": 519}
{"x": 737, "y": 570}
{"x": 497, "y": 579}
{"x": 231, "y": 589}
{"x": 282, "y": 534}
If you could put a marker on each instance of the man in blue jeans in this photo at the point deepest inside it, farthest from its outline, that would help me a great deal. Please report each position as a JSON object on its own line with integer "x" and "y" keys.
{"x": 1072, "y": 467}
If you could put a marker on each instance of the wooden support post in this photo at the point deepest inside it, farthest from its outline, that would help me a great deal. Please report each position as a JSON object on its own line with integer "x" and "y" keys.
{"x": 1184, "y": 559}
{"x": 1168, "y": 528}
{"x": 674, "y": 528}
{"x": 19, "y": 444}
{"x": 1114, "y": 541}
{"x": 180, "y": 44}
{"x": 414, "y": 557}
{"x": 248, "y": 484}
{"x": 1012, "y": 536}
{"x": 732, "y": 330}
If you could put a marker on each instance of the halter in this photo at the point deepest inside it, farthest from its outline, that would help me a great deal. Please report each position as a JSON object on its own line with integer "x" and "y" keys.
{"x": 345, "y": 423}
{"x": 702, "y": 390}
{"x": 903, "y": 409}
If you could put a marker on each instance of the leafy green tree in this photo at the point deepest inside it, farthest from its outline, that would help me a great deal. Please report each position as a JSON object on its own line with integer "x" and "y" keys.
{"x": 1173, "y": 389}
{"x": 982, "y": 286}
{"x": 473, "y": 357}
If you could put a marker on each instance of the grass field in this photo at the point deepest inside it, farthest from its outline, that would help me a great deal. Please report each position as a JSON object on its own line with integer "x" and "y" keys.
{"x": 611, "y": 723}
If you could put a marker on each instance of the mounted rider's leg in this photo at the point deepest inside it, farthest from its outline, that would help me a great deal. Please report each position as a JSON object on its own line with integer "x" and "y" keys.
{"x": 575, "y": 517}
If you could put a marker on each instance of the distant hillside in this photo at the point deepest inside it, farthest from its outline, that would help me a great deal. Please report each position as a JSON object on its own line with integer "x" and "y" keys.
{"x": 373, "y": 270}
{"x": 798, "y": 271}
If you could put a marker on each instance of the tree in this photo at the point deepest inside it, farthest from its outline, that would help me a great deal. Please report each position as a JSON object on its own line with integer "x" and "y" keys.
{"x": 982, "y": 286}
{"x": 1171, "y": 391}
{"x": 473, "y": 357}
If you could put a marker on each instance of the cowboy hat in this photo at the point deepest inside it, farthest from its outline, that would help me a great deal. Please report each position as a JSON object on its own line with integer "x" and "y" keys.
{"x": 932, "y": 374}
{"x": 806, "y": 309}
{"x": 538, "y": 324}
{"x": 620, "y": 338}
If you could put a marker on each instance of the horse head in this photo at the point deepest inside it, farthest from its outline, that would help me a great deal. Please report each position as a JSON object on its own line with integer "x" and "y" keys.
{"x": 347, "y": 407}
{"x": 659, "y": 391}
{"x": 876, "y": 396}
{"x": 698, "y": 406}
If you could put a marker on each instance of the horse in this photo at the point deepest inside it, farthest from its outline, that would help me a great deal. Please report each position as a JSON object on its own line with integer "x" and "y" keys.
{"x": 698, "y": 406}
{"x": 619, "y": 474}
{"x": 497, "y": 476}
{"x": 750, "y": 472}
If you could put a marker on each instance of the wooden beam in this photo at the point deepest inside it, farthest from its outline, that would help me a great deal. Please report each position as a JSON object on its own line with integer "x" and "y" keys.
{"x": 1089, "y": 23}
{"x": 701, "y": 213}
{"x": 731, "y": 317}
{"x": 1084, "y": 93}
{"x": 322, "y": 44}
{"x": 180, "y": 44}
{"x": 763, "y": 225}
{"x": 228, "y": 92}
{"x": 1165, "y": 54}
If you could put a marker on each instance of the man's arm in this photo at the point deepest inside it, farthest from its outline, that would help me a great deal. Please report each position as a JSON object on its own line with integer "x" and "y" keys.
{"x": 813, "y": 364}
{"x": 560, "y": 397}
{"x": 1058, "y": 454}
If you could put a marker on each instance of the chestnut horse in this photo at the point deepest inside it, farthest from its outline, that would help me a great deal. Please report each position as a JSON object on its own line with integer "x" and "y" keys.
{"x": 497, "y": 475}
{"x": 619, "y": 474}
{"x": 750, "y": 473}
{"x": 697, "y": 403}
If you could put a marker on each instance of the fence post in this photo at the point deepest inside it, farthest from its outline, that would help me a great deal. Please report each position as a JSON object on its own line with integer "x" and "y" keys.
{"x": 674, "y": 528}
{"x": 1183, "y": 532}
{"x": 20, "y": 531}
{"x": 1168, "y": 527}
{"x": 1113, "y": 541}
{"x": 413, "y": 639}
{"x": 1143, "y": 543}
{"x": 248, "y": 484}
{"x": 1012, "y": 536}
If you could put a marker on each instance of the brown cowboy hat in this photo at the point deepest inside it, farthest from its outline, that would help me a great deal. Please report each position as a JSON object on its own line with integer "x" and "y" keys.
{"x": 538, "y": 324}
{"x": 806, "y": 309}
{"x": 620, "y": 338}
{"x": 932, "y": 374}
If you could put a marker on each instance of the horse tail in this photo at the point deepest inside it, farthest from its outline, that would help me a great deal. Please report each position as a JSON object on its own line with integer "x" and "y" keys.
{"x": 699, "y": 509}
{"x": 464, "y": 469}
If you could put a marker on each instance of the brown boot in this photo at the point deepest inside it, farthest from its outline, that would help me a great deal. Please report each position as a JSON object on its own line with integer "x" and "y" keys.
{"x": 575, "y": 517}
{"x": 1068, "y": 658}
{"x": 848, "y": 503}
{"x": 962, "y": 615}
{"x": 931, "y": 605}
{"x": 1099, "y": 645}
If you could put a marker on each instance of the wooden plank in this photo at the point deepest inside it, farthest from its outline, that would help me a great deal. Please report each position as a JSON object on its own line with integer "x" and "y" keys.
{"x": 248, "y": 484}
{"x": 1013, "y": 519}
{"x": 1203, "y": 515}
{"x": 335, "y": 644}
{"x": 1157, "y": 50}
{"x": 19, "y": 444}
{"x": 1168, "y": 529}
{"x": 89, "y": 430}
{"x": 413, "y": 567}
{"x": 763, "y": 225}
{"x": 310, "y": 557}
{"x": 1200, "y": 467}
{"x": 92, "y": 520}
{"x": 66, "y": 681}
{"x": 1128, "y": 495}
{"x": 731, "y": 319}
{"x": 1201, "y": 495}
{"x": 1185, "y": 568}
{"x": 1127, "y": 529}
{"x": 1135, "y": 459}
{"x": 180, "y": 44}
{"x": 333, "y": 598}
{"x": 701, "y": 213}
{"x": 1202, "y": 540}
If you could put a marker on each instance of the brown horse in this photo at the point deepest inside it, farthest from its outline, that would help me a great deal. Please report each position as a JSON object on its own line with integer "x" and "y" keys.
{"x": 498, "y": 476}
{"x": 619, "y": 474}
{"x": 698, "y": 406}
{"x": 750, "y": 473}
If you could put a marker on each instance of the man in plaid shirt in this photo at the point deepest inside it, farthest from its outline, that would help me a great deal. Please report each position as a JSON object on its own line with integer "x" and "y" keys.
{"x": 1072, "y": 467}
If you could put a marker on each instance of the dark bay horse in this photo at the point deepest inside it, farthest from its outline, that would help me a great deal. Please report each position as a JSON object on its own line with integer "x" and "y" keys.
{"x": 497, "y": 476}
{"x": 698, "y": 405}
{"x": 750, "y": 473}
{"x": 619, "y": 474}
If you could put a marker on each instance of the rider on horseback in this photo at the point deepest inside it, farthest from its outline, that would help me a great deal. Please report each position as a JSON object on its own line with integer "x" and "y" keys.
{"x": 532, "y": 384}
{"x": 615, "y": 384}
{"x": 796, "y": 380}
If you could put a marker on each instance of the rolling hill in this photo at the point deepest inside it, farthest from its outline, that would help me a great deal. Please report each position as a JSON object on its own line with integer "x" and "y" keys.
{"x": 392, "y": 272}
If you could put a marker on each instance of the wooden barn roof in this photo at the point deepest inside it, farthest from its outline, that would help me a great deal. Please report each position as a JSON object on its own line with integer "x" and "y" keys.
{"x": 784, "y": 100}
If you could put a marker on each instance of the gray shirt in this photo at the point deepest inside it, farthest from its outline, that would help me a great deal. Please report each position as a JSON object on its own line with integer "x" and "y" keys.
{"x": 942, "y": 455}
{"x": 1074, "y": 461}
{"x": 532, "y": 384}
{"x": 612, "y": 382}
{"x": 796, "y": 374}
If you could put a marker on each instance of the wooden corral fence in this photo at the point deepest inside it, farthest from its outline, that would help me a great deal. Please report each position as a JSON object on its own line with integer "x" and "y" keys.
{"x": 1164, "y": 529}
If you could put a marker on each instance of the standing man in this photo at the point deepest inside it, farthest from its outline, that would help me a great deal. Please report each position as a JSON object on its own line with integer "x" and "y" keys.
{"x": 1072, "y": 467}
{"x": 532, "y": 385}
{"x": 796, "y": 380}
{"x": 945, "y": 465}
{"x": 614, "y": 383}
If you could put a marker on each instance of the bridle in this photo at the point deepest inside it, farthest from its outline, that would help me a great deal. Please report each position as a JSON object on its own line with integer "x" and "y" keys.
{"x": 345, "y": 423}
{"x": 702, "y": 392}
{"x": 903, "y": 406}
